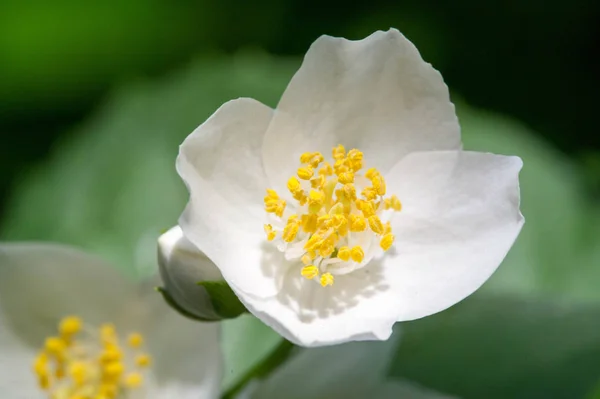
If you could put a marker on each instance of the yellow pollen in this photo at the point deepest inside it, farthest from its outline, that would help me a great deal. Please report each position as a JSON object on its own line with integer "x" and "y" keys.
{"x": 393, "y": 203}
{"x": 338, "y": 152}
{"x": 318, "y": 182}
{"x": 326, "y": 170}
{"x": 55, "y": 346}
{"x": 143, "y": 360}
{"x": 133, "y": 380}
{"x": 344, "y": 254}
{"x": 135, "y": 340}
{"x": 372, "y": 172}
{"x": 309, "y": 272}
{"x": 69, "y": 326}
{"x": 357, "y": 254}
{"x": 269, "y": 232}
{"x": 306, "y": 157}
{"x": 340, "y": 208}
{"x": 305, "y": 173}
{"x": 293, "y": 185}
{"x": 346, "y": 177}
{"x": 309, "y": 223}
{"x": 111, "y": 353}
{"x": 379, "y": 185}
{"x": 386, "y": 241}
{"x": 376, "y": 225}
{"x": 387, "y": 228}
{"x": 326, "y": 279}
{"x": 357, "y": 223}
{"x": 290, "y": 230}
{"x": 85, "y": 364}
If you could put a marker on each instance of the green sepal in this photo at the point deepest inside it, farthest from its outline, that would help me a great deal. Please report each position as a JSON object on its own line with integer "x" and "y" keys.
{"x": 171, "y": 302}
{"x": 225, "y": 302}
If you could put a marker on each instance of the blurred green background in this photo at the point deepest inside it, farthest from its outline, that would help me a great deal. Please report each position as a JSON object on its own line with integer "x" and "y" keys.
{"x": 95, "y": 98}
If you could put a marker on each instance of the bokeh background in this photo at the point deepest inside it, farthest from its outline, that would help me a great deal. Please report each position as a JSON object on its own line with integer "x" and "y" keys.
{"x": 96, "y": 97}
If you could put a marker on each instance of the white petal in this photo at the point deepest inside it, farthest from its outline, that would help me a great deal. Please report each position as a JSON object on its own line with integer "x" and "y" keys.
{"x": 375, "y": 94}
{"x": 182, "y": 266}
{"x": 41, "y": 283}
{"x": 187, "y": 360}
{"x": 355, "y": 308}
{"x": 17, "y": 380}
{"x": 221, "y": 165}
{"x": 351, "y": 370}
{"x": 460, "y": 216}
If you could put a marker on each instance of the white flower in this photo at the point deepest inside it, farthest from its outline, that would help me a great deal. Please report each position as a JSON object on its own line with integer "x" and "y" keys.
{"x": 114, "y": 334}
{"x": 348, "y": 274}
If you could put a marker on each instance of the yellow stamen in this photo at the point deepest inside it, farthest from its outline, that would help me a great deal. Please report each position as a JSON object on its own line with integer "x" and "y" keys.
{"x": 309, "y": 272}
{"x": 386, "y": 241}
{"x": 135, "y": 340}
{"x": 290, "y": 230}
{"x": 293, "y": 185}
{"x": 338, "y": 205}
{"x": 326, "y": 279}
{"x": 344, "y": 253}
{"x": 305, "y": 173}
{"x": 69, "y": 326}
{"x": 379, "y": 185}
{"x": 346, "y": 177}
{"x": 133, "y": 380}
{"x": 83, "y": 364}
{"x": 375, "y": 224}
{"x": 269, "y": 232}
{"x": 357, "y": 254}
{"x": 143, "y": 360}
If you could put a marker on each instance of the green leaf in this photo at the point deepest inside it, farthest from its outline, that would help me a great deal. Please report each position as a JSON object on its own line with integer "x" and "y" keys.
{"x": 111, "y": 186}
{"x": 497, "y": 348}
{"x": 245, "y": 342}
{"x": 223, "y": 299}
{"x": 553, "y": 254}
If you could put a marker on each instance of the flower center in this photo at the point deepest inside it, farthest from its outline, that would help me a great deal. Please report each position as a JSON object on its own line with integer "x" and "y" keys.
{"x": 329, "y": 226}
{"x": 86, "y": 363}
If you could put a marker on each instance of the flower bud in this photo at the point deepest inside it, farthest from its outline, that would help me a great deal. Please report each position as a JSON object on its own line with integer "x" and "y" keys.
{"x": 182, "y": 268}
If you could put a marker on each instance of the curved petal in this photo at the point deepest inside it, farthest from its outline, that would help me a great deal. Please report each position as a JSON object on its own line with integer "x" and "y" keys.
{"x": 375, "y": 94}
{"x": 41, "y": 283}
{"x": 188, "y": 363}
{"x": 460, "y": 216}
{"x": 221, "y": 165}
{"x": 355, "y": 308}
{"x": 16, "y": 378}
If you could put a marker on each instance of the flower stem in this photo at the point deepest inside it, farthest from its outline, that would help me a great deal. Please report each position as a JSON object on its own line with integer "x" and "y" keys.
{"x": 263, "y": 368}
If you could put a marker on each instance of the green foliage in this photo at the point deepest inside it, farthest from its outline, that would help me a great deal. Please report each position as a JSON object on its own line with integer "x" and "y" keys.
{"x": 112, "y": 188}
{"x": 553, "y": 254}
{"x": 225, "y": 302}
{"x": 500, "y": 348}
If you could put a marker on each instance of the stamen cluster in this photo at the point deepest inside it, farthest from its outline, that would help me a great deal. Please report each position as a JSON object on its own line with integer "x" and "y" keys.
{"x": 336, "y": 207}
{"x": 83, "y": 363}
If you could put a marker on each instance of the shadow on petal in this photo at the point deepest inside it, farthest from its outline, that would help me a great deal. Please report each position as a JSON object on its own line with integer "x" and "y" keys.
{"x": 308, "y": 299}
